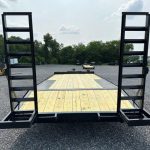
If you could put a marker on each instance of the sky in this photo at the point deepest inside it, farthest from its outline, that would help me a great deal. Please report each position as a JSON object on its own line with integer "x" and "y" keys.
{"x": 75, "y": 21}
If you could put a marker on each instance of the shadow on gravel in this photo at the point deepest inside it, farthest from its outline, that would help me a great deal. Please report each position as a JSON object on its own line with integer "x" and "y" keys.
{"x": 82, "y": 136}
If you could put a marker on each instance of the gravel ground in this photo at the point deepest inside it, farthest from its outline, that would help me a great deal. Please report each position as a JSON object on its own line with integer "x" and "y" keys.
{"x": 74, "y": 136}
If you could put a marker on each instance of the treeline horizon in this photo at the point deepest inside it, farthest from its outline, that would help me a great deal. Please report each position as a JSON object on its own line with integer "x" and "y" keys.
{"x": 52, "y": 52}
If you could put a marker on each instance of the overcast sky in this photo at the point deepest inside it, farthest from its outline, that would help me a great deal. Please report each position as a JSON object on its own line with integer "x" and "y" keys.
{"x": 75, "y": 21}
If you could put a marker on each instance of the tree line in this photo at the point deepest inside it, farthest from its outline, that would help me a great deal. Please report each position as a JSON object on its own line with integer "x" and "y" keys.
{"x": 52, "y": 52}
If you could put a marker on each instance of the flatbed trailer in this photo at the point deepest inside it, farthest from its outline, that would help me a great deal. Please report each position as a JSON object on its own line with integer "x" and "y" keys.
{"x": 76, "y": 95}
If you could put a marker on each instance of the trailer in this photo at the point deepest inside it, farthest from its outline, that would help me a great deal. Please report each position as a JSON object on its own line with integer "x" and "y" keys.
{"x": 76, "y": 96}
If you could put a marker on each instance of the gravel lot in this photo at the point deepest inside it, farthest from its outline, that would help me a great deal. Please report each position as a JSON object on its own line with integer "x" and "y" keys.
{"x": 74, "y": 136}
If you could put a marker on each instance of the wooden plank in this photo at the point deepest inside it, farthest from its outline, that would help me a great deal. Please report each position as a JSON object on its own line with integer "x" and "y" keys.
{"x": 51, "y": 102}
{"x": 101, "y": 101}
{"x": 68, "y": 81}
{"x": 59, "y": 102}
{"x": 43, "y": 100}
{"x": 68, "y": 102}
{"x": 78, "y": 100}
{"x": 74, "y": 101}
{"x": 80, "y": 83}
{"x": 107, "y": 98}
{"x": 113, "y": 98}
{"x": 93, "y": 101}
{"x": 85, "y": 105}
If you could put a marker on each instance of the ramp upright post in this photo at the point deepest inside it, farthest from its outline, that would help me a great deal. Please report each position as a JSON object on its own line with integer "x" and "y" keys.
{"x": 136, "y": 116}
{"x": 19, "y": 118}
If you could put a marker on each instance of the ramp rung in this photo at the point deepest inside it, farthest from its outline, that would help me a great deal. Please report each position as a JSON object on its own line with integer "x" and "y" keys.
{"x": 132, "y": 87}
{"x": 17, "y": 29}
{"x": 18, "y": 42}
{"x": 25, "y": 77}
{"x": 135, "y": 117}
{"x": 132, "y": 98}
{"x": 133, "y": 65}
{"x": 23, "y": 99}
{"x": 134, "y": 53}
{"x": 135, "y": 13}
{"x": 21, "y": 88}
{"x": 18, "y": 119}
{"x": 20, "y": 54}
{"x": 134, "y": 40}
{"x": 133, "y": 76}
{"x": 16, "y": 13}
{"x": 21, "y": 66}
{"x": 130, "y": 28}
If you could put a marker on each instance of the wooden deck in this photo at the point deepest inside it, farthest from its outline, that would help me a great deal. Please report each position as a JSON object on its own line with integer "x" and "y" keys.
{"x": 76, "y": 101}
{"x": 68, "y": 94}
{"x": 75, "y": 81}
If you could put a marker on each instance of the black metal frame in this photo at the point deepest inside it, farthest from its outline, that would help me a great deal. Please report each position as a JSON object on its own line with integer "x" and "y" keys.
{"x": 78, "y": 117}
{"x": 12, "y": 119}
{"x": 126, "y": 114}
{"x": 24, "y": 119}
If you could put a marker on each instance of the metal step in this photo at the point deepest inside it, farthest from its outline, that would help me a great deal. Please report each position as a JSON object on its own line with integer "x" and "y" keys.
{"x": 135, "y": 13}
{"x": 133, "y": 65}
{"x": 23, "y": 99}
{"x": 135, "y": 117}
{"x": 130, "y": 76}
{"x": 134, "y": 41}
{"x": 18, "y": 119}
{"x": 17, "y": 29}
{"x": 21, "y": 88}
{"x": 16, "y": 13}
{"x": 132, "y": 98}
{"x": 17, "y": 54}
{"x": 130, "y": 28}
{"x": 18, "y": 42}
{"x": 23, "y": 77}
{"x": 21, "y": 66}
{"x": 132, "y": 87}
{"x": 134, "y": 53}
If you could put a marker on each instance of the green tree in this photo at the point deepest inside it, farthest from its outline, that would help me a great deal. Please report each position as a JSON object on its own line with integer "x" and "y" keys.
{"x": 39, "y": 52}
{"x": 67, "y": 55}
{"x": 94, "y": 52}
{"x": 1, "y": 49}
{"x": 53, "y": 52}
{"x": 79, "y": 52}
{"x": 51, "y": 48}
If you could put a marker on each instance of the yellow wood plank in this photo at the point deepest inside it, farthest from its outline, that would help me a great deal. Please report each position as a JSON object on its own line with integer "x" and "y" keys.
{"x": 78, "y": 100}
{"x": 75, "y": 101}
{"x": 43, "y": 101}
{"x": 68, "y": 81}
{"x": 68, "y": 102}
{"x": 59, "y": 102}
{"x": 101, "y": 101}
{"x": 51, "y": 102}
{"x": 93, "y": 101}
{"x": 108, "y": 100}
{"x": 85, "y": 105}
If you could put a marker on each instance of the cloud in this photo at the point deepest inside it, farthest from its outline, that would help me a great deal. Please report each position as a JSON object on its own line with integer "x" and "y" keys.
{"x": 69, "y": 30}
{"x": 135, "y": 5}
{"x": 130, "y": 6}
{"x": 5, "y": 3}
